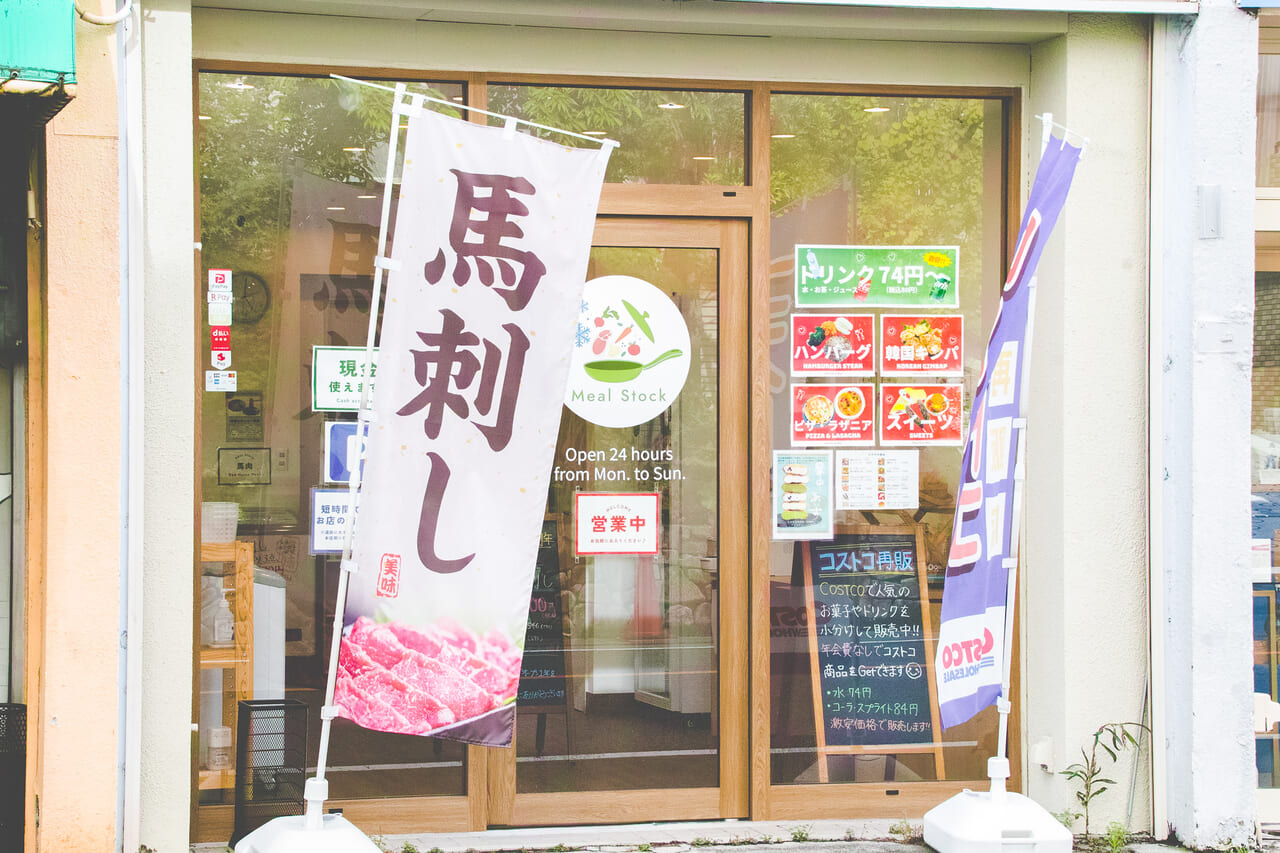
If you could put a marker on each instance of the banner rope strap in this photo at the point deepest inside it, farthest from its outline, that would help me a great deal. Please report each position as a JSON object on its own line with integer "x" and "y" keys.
{"x": 509, "y": 122}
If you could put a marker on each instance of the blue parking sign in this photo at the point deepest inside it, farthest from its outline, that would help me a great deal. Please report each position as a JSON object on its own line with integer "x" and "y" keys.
{"x": 339, "y": 447}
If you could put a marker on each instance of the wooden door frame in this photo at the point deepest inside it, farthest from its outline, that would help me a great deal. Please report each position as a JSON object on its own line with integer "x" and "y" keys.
{"x": 492, "y": 772}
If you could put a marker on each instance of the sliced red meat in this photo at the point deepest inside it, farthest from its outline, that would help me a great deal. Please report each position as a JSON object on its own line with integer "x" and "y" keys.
{"x": 353, "y": 659}
{"x": 378, "y": 641}
{"x": 458, "y": 693}
{"x": 428, "y": 642}
{"x": 421, "y": 711}
{"x": 461, "y": 634}
{"x": 443, "y": 647}
{"x": 499, "y": 640}
{"x": 488, "y": 677}
{"x": 368, "y": 710}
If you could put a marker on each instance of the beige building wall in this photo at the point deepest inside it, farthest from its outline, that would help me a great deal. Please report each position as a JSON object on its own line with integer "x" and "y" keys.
{"x": 1084, "y": 603}
{"x": 1078, "y": 544}
{"x": 72, "y": 681}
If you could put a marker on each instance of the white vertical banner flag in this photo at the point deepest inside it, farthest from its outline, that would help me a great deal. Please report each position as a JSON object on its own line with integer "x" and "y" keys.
{"x": 491, "y": 238}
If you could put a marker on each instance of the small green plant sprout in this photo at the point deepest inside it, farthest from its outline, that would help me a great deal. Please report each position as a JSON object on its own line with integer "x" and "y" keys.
{"x": 559, "y": 848}
{"x": 850, "y": 835}
{"x": 1112, "y": 739}
{"x": 645, "y": 847}
{"x": 1117, "y": 835}
{"x": 1067, "y": 817}
{"x": 701, "y": 842}
{"x": 800, "y": 833}
{"x": 906, "y": 831}
{"x": 409, "y": 847}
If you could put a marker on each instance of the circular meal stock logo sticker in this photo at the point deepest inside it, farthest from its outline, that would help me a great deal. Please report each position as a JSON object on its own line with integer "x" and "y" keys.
{"x": 630, "y": 353}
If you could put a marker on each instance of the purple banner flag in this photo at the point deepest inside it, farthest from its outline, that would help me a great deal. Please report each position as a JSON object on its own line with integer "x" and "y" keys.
{"x": 971, "y": 640}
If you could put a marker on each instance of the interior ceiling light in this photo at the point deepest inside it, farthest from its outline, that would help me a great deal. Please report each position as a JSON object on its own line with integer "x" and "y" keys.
{"x": 205, "y": 118}
{"x": 876, "y": 110}
{"x": 784, "y": 136}
{"x": 594, "y": 132}
{"x": 703, "y": 158}
{"x": 366, "y": 196}
{"x": 353, "y": 149}
{"x": 670, "y": 105}
{"x": 457, "y": 98}
{"x": 238, "y": 84}
{"x": 335, "y": 207}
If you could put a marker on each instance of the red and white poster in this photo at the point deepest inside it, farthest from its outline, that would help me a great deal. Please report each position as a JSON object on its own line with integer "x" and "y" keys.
{"x": 921, "y": 414}
{"x": 833, "y": 414}
{"x": 930, "y": 344}
{"x": 491, "y": 240}
{"x": 616, "y": 523}
{"x": 833, "y": 345}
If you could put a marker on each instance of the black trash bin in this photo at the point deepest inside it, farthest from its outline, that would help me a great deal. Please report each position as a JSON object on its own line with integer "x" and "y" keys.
{"x": 271, "y": 762}
{"x": 13, "y": 774}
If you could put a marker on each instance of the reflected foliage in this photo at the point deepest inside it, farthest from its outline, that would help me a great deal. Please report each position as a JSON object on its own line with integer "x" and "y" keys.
{"x": 660, "y": 132}
{"x": 915, "y": 170}
{"x": 261, "y": 130}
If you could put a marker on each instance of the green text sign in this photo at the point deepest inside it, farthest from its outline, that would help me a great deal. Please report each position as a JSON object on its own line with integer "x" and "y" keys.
{"x": 877, "y": 276}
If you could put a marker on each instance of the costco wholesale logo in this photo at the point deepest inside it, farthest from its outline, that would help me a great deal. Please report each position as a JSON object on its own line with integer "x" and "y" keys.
{"x": 967, "y": 658}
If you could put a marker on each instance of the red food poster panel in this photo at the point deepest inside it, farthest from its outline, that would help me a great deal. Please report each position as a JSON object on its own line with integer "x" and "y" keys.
{"x": 833, "y": 414}
{"x": 833, "y": 344}
{"x": 930, "y": 344}
{"x": 921, "y": 413}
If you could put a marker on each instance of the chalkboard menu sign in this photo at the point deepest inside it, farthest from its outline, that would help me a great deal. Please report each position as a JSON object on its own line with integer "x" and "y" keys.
{"x": 543, "y": 682}
{"x": 872, "y": 670}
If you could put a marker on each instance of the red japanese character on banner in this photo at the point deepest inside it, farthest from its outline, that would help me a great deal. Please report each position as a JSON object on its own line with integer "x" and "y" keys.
{"x": 488, "y": 216}
{"x": 388, "y": 585}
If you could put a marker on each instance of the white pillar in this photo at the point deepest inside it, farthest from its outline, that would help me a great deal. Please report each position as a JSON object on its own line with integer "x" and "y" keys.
{"x": 1203, "y": 134}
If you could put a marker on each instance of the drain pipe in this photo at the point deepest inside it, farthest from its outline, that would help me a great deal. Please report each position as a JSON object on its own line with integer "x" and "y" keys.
{"x": 129, "y": 702}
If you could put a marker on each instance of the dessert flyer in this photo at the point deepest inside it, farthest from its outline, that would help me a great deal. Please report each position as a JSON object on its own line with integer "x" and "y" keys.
{"x": 921, "y": 413}
{"x": 802, "y": 494}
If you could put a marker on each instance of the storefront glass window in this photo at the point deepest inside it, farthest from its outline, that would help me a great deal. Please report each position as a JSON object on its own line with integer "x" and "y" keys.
{"x": 639, "y": 630}
{"x": 665, "y": 136}
{"x": 900, "y": 199}
{"x": 1268, "y": 120}
{"x": 1265, "y": 456}
{"x": 290, "y": 201}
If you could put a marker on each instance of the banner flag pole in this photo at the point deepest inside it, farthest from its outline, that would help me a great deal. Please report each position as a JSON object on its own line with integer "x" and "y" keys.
{"x": 314, "y": 831}
{"x": 980, "y": 591}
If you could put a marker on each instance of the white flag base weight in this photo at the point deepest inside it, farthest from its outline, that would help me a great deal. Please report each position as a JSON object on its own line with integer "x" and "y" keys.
{"x": 335, "y": 834}
{"x": 313, "y": 832}
{"x": 994, "y": 821}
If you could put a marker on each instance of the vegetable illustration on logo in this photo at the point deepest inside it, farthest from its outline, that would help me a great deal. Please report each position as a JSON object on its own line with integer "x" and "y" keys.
{"x": 631, "y": 354}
